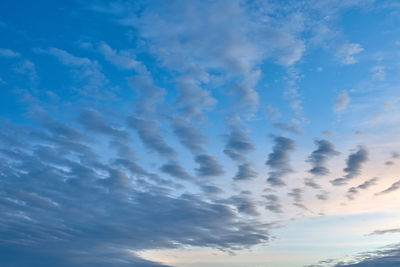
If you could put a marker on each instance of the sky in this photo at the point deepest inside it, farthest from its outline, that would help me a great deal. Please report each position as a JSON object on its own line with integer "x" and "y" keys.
{"x": 193, "y": 133}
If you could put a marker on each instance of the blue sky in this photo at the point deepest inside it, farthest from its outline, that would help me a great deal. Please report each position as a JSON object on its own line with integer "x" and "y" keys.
{"x": 199, "y": 133}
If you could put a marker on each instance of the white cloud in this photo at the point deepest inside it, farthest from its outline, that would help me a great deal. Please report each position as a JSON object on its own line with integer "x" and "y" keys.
{"x": 346, "y": 53}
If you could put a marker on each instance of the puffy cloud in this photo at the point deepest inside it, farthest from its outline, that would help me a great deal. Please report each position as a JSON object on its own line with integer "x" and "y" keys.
{"x": 320, "y": 156}
{"x": 245, "y": 172}
{"x": 149, "y": 134}
{"x": 64, "y": 204}
{"x": 278, "y": 160}
{"x": 175, "y": 170}
{"x": 189, "y": 136}
{"x": 273, "y": 203}
{"x": 353, "y": 165}
{"x": 93, "y": 121}
{"x": 208, "y": 166}
{"x": 244, "y": 204}
{"x": 238, "y": 144}
{"x": 346, "y": 53}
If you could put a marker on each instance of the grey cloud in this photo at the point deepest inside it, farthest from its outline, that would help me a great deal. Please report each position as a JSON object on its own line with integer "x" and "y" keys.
{"x": 211, "y": 189}
{"x": 193, "y": 99}
{"x": 355, "y": 190}
{"x": 148, "y": 132}
{"x": 244, "y": 204}
{"x": 238, "y": 144}
{"x": 288, "y": 128}
{"x": 245, "y": 172}
{"x": 273, "y": 203}
{"x": 341, "y": 101}
{"x": 150, "y": 95}
{"x": 395, "y": 155}
{"x": 93, "y": 121}
{"x": 389, "y": 163}
{"x": 208, "y": 166}
{"x": 388, "y": 256}
{"x": 394, "y": 187}
{"x": 296, "y": 193}
{"x": 278, "y": 160}
{"x": 311, "y": 183}
{"x": 353, "y": 165}
{"x": 85, "y": 211}
{"x": 323, "y": 195}
{"x": 175, "y": 170}
{"x": 320, "y": 156}
{"x": 386, "y": 231}
{"x": 189, "y": 136}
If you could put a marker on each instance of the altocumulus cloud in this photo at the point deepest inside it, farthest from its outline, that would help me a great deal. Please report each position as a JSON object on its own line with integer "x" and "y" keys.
{"x": 63, "y": 205}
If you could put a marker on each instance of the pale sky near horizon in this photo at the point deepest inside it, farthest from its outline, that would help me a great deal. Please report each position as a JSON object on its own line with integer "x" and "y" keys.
{"x": 226, "y": 133}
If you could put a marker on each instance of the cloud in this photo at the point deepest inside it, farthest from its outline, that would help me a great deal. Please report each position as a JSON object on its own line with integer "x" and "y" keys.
{"x": 386, "y": 231}
{"x": 211, "y": 189}
{"x": 346, "y": 53}
{"x": 87, "y": 73}
{"x": 272, "y": 113}
{"x": 93, "y": 121}
{"x": 238, "y": 144}
{"x": 388, "y": 256}
{"x": 245, "y": 172}
{"x": 394, "y": 187}
{"x": 122, "y": 59}
{"x": 189, "y": 136}
{"x": 296, "y": 193}
{"x": 288, "y": 128}
{"x": 320, "y": 156}
{"x": 323, "y": 195}
{"x": 149, "y": 134}
{"x": 353, "y": 165}
{"x": 208, "y": 166}
{"x": 244, "y": 204}
{"x": 355, "y": 190}
{"x": 311, "y": 183}
{"x": 273, "y": 203}
{"x": 175, "y": 170}
{"x": 341, "y": 102}
{"x": 378, "y": 72}
{"x": 68, "y": 204}
{"x": 8, "y": 53}
{"x": 278, "y": 160}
